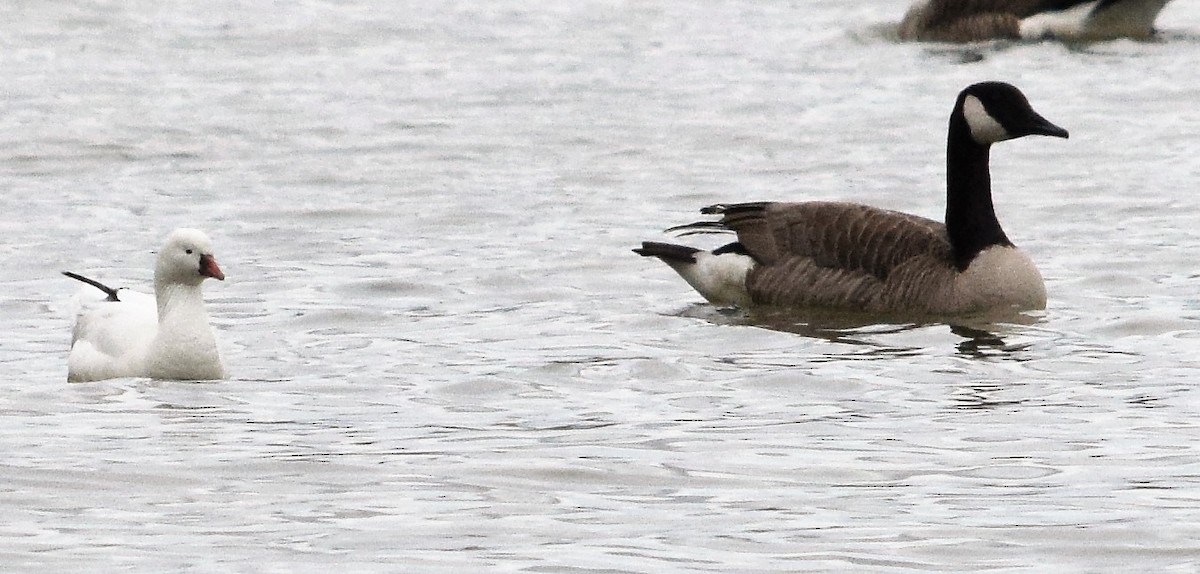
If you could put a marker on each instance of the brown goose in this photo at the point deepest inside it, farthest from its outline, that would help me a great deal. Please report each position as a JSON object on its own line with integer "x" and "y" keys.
{"x": 1072, "y": 20}
{"x": 855, "y": 257}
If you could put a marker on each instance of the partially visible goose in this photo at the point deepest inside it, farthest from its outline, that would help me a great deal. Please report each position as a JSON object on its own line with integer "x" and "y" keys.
{"x": 854, "y": 257}
{"x": 1072, "y": 20}
{"x": 167, "y": 336}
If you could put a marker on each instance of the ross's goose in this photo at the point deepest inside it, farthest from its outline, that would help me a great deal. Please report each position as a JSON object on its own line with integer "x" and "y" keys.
{"x": 165, "y": 336}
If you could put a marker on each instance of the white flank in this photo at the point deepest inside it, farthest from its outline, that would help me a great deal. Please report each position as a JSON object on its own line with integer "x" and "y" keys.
{"x": 1068, "y": 24}
{"x": 719, "y": 278}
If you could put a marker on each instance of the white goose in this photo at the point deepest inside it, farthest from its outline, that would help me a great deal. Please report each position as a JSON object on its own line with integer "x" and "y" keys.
{"x": 167, "y": 336}
{"x": 833, "y": 255}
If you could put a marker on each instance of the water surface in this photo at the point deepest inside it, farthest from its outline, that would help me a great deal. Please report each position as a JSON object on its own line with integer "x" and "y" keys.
{"x": 446, "y": 359}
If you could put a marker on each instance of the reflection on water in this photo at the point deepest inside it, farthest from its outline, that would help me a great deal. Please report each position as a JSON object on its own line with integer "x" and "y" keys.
{"x": 986, "y": 396}
{"x": 981, "y": 336}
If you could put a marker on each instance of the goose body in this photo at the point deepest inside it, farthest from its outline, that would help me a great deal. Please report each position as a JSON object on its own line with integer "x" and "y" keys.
{"x": 1071, "y": 20}
{"x": 165, "y": 336}
{"x": 856, "y": 257}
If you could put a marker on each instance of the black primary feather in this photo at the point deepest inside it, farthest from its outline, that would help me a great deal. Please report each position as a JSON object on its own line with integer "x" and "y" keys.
{"x": 112, "y": 293}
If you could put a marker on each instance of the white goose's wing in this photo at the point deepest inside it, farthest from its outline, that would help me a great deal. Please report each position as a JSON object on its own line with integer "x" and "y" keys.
{"x": 110, "y": 338}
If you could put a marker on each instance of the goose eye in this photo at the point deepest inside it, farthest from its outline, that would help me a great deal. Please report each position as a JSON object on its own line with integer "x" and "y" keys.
{"x": 188, "y": 251}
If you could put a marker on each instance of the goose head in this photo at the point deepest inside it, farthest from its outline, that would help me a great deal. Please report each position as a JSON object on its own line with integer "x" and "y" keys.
{"x": 186, "y": 258}
{"x": 996, "y": 111}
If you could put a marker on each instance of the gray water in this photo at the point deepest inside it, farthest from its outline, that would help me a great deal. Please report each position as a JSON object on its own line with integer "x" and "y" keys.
{"x": 446, "y": 359}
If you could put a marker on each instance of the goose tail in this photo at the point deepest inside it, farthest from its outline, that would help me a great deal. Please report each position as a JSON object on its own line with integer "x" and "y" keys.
{"x": 668, "y": 252}
{"x": 718, "y": 275}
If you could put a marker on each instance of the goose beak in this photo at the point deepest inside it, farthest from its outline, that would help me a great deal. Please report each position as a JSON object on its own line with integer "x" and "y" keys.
{"x": 209, "y": 268}
{"x": 1042, "y": 127}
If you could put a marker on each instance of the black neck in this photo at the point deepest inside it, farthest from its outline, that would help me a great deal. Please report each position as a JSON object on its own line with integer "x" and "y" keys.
{"x": 970, "y": 218}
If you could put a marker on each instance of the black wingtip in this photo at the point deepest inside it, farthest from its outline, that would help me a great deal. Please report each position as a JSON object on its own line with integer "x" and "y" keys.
{"x": 727, "y": 208}
{"x": 112, "y": 293}
{"x": 698, "y": 228}
{"x": 667, "y": 251}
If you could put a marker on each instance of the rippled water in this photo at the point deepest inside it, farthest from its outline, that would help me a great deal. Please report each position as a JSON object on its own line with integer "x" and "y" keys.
{"x": 446, "y": 359}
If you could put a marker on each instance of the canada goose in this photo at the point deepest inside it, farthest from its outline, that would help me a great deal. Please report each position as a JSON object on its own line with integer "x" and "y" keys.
{"x": 164, "y": 336}
{"x": 1081, "y": 20}
{"x": 855, "y": 257}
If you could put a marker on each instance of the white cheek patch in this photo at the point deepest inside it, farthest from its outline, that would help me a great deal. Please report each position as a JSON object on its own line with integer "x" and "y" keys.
{"x": 984, "y": 128}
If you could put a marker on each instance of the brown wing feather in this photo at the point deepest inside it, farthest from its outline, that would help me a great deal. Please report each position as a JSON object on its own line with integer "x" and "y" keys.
{"x": 835, "y": 235}
{"x": 840, "y": 254}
